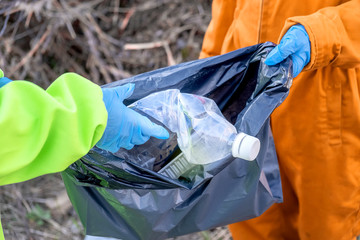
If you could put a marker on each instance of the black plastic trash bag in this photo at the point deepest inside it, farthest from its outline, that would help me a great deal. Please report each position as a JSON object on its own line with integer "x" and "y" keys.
{"x": 120, "y": 199}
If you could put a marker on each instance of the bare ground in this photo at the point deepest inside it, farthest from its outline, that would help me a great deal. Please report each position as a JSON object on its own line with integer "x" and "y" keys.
{"x": 103, "y": 41}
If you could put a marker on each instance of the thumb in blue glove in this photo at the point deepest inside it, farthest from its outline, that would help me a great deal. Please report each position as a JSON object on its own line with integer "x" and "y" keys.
{"x": 3, "y": 80}
{"x": 296, "y": 44}
{"x": 125, "y": 127}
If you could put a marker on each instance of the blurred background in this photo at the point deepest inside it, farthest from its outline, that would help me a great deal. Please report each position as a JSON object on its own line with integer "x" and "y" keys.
{"x": 104, "y": 41}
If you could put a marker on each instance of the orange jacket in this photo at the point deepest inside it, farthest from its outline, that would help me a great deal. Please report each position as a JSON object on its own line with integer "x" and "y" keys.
{"x": 317, "y": 128}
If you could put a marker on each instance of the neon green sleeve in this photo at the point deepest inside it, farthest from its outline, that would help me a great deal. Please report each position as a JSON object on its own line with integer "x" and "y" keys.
{"x": 44, "y": 132}
{"x": 1, "y": 232}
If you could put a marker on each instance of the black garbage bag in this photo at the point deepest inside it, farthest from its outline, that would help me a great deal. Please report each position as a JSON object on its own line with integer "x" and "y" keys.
{"x": 118, "y": 198}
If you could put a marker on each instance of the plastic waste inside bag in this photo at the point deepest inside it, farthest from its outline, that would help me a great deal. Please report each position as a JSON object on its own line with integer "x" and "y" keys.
{"x": 239, "y": 145}
{"x": 203, "y": 134}
{"x": 116, "y": 197}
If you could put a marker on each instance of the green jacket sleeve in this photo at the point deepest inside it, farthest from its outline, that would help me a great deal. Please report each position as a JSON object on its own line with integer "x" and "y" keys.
{"x": 1, "y": 231}
{"x": 44, "y": 132}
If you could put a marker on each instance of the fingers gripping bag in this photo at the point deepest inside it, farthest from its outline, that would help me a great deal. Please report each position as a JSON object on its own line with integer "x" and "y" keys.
{"x": 130, "y": 195}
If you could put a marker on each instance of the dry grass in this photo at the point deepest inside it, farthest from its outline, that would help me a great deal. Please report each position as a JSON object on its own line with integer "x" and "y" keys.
{"x": 26, "y": 211}
{"x": 42, "y": 39}
{"x": 103, "y": 41}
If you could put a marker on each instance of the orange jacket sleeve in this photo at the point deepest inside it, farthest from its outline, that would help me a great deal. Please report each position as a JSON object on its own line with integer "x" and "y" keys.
{"x": 334, "y": 35}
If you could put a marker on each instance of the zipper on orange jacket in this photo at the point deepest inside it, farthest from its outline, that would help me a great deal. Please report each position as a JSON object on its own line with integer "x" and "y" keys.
{"x": 260, "y": 20}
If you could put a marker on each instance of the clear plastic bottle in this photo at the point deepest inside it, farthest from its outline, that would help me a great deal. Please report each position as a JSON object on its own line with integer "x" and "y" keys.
{"x": 239, "y": 145}
{"x": 203, "y": 134}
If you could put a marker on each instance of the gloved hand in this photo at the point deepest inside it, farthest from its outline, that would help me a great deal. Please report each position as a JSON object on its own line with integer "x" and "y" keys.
{"x": 296, "y": 44}
{"x": 125, "y": 127}
{"x": 3, "y": 80}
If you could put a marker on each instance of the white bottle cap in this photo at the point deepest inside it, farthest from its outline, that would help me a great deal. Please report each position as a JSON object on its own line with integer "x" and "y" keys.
{"x": 245, "y": 147}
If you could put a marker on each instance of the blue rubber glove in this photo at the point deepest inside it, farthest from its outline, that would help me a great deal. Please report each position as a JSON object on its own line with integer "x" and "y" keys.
{"x": 296, "y": 44}
{"x": 3, "y": 80}
{"x": 125, "y": 127}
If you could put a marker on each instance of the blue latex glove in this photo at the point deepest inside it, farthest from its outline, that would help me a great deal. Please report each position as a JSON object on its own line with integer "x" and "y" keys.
{"x": 296, "y": 44}
{"x": 125, "y": 127}
{"x": 3, "y": 80}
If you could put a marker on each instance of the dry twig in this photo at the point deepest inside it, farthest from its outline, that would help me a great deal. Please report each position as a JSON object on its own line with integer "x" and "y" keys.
{"x": 31, "y": 52}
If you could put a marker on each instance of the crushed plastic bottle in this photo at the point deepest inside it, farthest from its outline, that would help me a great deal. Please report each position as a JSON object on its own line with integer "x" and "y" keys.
{"x": 198, "y": 127}
{"x": 239, "y": 145}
